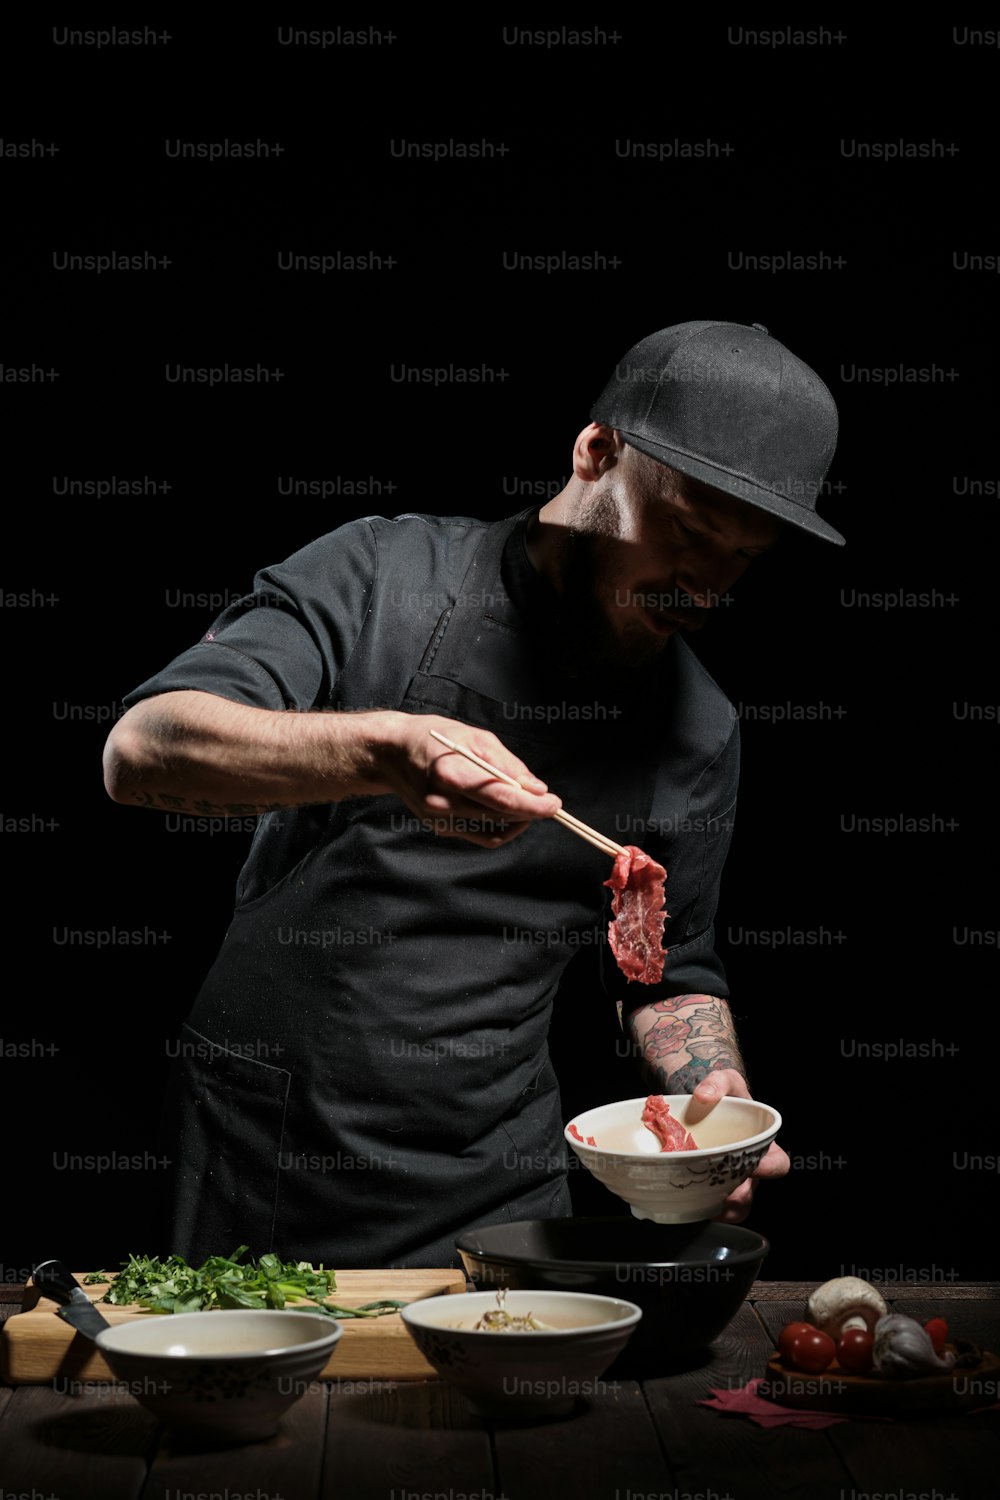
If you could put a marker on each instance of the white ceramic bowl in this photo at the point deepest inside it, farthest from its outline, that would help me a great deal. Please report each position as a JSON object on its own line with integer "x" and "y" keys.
{"x": 521, "y": 1376}
{"x": 675, "y": 1187}
{"x": 229, "y": 1373}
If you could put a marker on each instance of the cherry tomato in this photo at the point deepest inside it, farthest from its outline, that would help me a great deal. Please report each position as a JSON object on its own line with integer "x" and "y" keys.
{"x": 812, "y": 1350}
{"x": 938, "y": 1330}
{"x": 788, "y": 1333}
{"x": 854, "y": 1352}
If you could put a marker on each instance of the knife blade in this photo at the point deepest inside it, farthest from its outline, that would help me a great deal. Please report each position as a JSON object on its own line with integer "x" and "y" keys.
{"x": 57, "y": 1281}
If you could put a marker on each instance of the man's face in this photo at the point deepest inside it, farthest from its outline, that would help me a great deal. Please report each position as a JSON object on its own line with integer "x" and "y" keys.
{"x": 647, "y": 555}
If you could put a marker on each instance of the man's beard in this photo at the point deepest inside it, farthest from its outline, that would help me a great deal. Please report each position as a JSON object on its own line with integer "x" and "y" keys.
{"x": 593, "y": 582}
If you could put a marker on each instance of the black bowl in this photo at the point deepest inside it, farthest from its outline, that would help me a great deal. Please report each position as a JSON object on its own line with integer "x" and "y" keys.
{"x": 689, "y": 1279}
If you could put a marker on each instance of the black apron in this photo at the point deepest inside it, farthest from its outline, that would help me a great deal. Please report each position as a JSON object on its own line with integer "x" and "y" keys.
{"x": 365, "y": 1073}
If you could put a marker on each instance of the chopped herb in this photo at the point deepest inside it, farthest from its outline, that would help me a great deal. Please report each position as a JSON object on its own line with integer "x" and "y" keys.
{"x": 172, "y": 1286}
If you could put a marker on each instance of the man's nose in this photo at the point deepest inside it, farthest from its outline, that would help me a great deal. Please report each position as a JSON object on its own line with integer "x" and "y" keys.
{"x": 704, "y": 583}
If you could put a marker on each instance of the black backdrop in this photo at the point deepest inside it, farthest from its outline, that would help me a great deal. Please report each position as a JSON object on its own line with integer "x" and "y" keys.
{"x": 838, "y": 942}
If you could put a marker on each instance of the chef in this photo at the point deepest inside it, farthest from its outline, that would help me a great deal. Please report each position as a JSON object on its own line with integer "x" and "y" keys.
{"x": 366, "y": 1072}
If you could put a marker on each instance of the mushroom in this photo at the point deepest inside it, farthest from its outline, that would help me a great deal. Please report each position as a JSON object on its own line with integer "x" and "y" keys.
{"x": 903, "y": 1349}
{"x": 845, "y": 1302}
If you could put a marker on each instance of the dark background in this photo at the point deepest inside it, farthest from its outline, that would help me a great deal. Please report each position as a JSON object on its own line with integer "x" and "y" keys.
{"x": 881, "y": 1146}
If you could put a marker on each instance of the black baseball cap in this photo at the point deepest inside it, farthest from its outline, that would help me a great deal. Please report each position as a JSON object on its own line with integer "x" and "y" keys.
{"x": 727, "y": 404}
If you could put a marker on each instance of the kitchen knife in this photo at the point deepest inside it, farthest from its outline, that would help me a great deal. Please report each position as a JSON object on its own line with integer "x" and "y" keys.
{"x": 57, "y": 1281}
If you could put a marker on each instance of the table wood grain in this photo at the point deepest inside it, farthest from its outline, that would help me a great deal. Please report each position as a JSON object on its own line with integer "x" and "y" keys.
{"x": 626, "y": 1440}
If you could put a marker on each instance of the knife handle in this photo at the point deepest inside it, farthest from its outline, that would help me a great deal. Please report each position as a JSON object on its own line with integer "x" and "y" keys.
{"x": 56, "y": 1280}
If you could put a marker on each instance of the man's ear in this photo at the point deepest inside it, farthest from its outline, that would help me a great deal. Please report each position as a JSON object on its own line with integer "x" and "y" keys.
{"x": 596, "y": 450}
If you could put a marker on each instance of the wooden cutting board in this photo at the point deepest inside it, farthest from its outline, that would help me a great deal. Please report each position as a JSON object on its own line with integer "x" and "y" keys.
{"x": 37, "y": 1347}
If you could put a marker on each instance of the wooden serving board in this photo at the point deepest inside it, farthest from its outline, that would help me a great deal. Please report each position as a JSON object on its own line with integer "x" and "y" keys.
{"x": 837, "y": 1390}
{"x": 37, "y": 1346}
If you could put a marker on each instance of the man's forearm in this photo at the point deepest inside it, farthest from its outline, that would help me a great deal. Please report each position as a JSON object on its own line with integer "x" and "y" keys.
{"x": 197, "y": 752}
{"x": 683, "y": 1039}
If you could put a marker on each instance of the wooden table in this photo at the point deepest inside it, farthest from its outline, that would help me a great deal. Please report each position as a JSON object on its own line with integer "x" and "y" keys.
{"x": 421, "y": 1441}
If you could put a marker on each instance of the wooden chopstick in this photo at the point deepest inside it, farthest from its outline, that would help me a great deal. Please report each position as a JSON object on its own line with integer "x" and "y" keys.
{"x": 600, "y": 840}
{"x": 606, "y": 845}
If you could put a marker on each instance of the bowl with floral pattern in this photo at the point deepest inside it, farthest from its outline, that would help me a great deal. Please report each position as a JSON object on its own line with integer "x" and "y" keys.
{"x": 674, "y": 1186}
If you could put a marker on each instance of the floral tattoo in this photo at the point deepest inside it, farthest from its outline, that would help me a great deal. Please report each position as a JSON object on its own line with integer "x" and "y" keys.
{"x": 683, "y": 1039}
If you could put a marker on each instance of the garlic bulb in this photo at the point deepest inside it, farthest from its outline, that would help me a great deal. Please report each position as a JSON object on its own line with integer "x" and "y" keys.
{"x": 903, "y": 1349}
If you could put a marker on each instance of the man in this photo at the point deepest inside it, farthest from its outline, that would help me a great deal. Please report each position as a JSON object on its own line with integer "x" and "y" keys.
{"x": 378, "y": 947}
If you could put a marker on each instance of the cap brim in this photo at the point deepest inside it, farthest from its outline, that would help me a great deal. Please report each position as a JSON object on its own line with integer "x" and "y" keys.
{"x": 783, "y": 506}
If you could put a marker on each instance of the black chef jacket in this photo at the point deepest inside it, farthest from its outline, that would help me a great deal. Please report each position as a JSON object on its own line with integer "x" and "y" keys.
{"x": 365, "y": 1072}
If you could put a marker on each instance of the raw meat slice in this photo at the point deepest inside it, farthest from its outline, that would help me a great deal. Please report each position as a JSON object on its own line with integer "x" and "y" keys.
{"x": 636, "y": 930}
{"x": 669, "y": 1132}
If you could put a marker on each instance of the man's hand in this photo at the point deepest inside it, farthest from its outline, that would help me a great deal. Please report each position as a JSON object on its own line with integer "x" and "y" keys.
{"x": 774, "y": 1162}
{"x": 683, "y": 1036}
{"x": 452, "y": 795}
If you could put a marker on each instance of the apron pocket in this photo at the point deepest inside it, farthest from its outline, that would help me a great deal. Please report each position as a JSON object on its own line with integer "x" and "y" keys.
{"x": 223, "y": 1124}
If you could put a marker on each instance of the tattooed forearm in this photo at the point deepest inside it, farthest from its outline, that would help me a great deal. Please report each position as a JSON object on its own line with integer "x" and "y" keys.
{"x": 683, "y": 1039}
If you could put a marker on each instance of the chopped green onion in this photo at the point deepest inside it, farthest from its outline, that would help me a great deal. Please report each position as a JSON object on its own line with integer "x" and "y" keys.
{"x": 173, "y": 1286}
